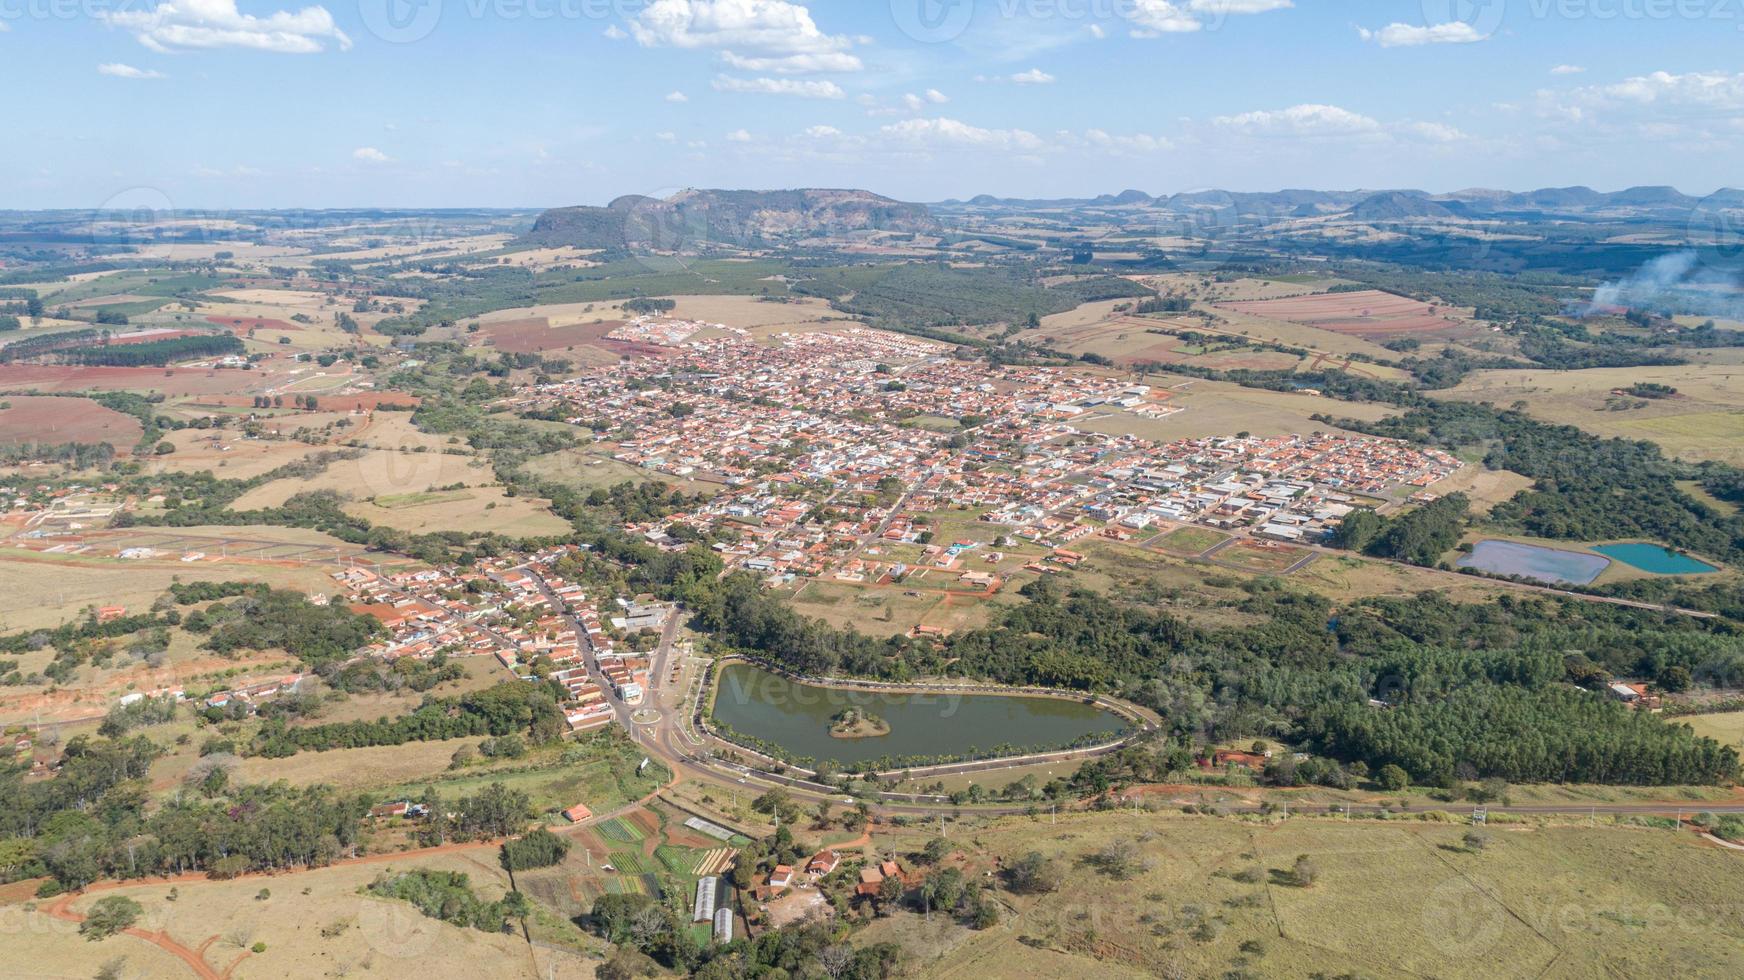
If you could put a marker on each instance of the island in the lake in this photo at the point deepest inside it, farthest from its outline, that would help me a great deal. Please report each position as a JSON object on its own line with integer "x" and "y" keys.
{"x": 858, "y": 723}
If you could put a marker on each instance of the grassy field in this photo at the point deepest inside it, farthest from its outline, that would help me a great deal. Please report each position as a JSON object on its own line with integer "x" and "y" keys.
{"x": 1401, "y": 898}
{"x": 1218, "y": 409}
{"x": 1705, "y": 420}
{"x": 1727, "y": 727}
{"x": 589, "y": 470}
{"x": 1191, "y": 540}
{"x": 313, "y": 924}
{"x": 378, "y": 473}
{"x": 476, "y": 509}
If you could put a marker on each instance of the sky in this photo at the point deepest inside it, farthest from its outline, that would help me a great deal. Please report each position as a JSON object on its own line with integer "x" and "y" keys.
{"x": 209, "y": 104}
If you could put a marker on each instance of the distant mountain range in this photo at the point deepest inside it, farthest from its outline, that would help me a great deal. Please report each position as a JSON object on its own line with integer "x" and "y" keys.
{"x": 736, "y": 217}
{"x": 1379, "y": 205}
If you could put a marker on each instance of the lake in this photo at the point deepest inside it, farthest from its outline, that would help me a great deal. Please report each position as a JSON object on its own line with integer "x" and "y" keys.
{"x": 1541, "y": 564}
{"x": 797, "y": 717}
{"x": 1654, "y": 558}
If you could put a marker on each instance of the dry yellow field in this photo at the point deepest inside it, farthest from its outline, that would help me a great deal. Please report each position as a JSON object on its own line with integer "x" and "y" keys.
{"x": 311, "y": 924}
{"x": 474, "y": 509}
{"x": 1396, "y": 898}
{"x": 378, "y": 473}
{"x": 1216, "y": 408}
{"x": 1704, "y": 421}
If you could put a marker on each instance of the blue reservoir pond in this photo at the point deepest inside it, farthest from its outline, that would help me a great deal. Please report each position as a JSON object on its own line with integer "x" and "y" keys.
{"x": 1656, "y": 559}
{"x": 797, "y": 717}
{"x": 1535, "y": 562}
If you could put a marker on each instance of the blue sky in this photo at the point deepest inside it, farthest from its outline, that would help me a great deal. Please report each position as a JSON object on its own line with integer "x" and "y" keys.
{"x": 427, "y": 103}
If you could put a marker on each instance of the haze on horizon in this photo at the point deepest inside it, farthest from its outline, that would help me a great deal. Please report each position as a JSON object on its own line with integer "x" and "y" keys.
{"x": 209, "y": 104}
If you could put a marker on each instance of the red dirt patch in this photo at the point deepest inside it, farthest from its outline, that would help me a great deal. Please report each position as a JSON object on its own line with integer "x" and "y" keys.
{"x": 169, "y": 381}
{"x": 536, "y": 334}
{"x": 1368, "y": 314}
{"x": 54, "y": 421}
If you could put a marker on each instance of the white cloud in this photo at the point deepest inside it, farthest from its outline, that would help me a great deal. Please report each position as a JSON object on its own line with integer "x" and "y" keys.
{"x": 795, "y": 64}
{"x": 1567, "y": 70}
{"x": 1702, "y": 90}
{"x": 677, "y": 96}
{"x": 779, "y": 86}
{"x": 1434, "y": 132}
{"x": 1656, "y": 100}
{"x": 1300, "y": 120}
{"x": 1035, "y": 76}
{"x": 952, "y": 133}
{"x": 1154, "y": 18}
{"x": 1151, "y": 18}
{"x": 913, "y": 102}
{"x": 667, "y": 137}
{"x": 1098, "y": 32}
{"x": 936, "y": 97}
{"x": 739, "y": 136}
{"x": 615, "y": 33}
{"x": 118, "y": 70}
{"x": 1226, "y": 8}
{"x": 781, "y": 36}
{"x": 1412, "y": 36}
{"x": 369, "y": 154}
{"x": 822, "y": 132}
{"x": 188, "y": 25}
{"x": 1133, "y": 143}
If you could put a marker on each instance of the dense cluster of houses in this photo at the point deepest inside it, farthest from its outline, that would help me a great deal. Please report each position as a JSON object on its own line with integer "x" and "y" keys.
{"x": 822, "y": 423}
{"x": 521, "y": 610}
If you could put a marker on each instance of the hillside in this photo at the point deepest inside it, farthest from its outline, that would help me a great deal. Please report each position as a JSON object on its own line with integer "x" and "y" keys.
{"x": 736, "y": 217}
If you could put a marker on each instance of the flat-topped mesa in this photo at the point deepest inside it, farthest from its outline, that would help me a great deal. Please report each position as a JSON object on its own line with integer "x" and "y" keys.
{"x": 746, "y": 218}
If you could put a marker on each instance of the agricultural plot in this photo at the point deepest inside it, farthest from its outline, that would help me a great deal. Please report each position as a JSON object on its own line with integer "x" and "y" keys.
{"x": 52, "y": 421}
{"x": 1213, "y": 408}
{"x": 1369, "y": 314}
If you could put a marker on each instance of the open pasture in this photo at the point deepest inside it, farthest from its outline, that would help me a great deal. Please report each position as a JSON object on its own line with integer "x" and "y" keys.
{"x": 1399, "y": 898}
{"x": 1703, "y": 421}
{"x": 1215, "y": 408}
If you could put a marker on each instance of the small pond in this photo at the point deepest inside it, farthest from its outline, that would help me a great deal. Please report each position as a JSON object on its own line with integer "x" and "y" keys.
{"x": 1654, "y": 558}
{"x": 1550, "y": 565}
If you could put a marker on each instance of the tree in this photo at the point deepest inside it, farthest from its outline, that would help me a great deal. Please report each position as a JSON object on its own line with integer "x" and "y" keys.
{"x": 1392, "y": 778}
{"x": 1034, "y": 874}
{"x": 1476, "y": 840}
{"x": 109, "y": 916}
{"x": 1304, "y": 872}
{"x": 33, "y": 306}
{"x": 935, "y": 850}
{"x": 890, "y": 892}
{"x": 836, "y": 960}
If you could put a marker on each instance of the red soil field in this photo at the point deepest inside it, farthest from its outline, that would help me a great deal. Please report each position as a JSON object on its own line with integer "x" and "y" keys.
{"x": 536, "y": 335}
{"x": 169, "y": 381}
{"x": 59, "y": 420}
{"x": 1370, "y": 313}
